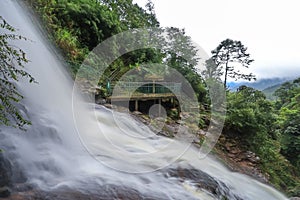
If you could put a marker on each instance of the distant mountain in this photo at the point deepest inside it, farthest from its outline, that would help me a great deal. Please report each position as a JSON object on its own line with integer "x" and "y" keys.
{"x": 269, "y": 92}
{"x": 260, "y": 84}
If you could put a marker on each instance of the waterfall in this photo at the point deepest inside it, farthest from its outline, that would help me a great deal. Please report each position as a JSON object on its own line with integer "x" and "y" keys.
{"x": 52, "y": 156}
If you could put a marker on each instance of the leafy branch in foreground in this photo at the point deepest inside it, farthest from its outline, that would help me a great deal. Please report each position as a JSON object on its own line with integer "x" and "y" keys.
{"x": 12, "y": 61}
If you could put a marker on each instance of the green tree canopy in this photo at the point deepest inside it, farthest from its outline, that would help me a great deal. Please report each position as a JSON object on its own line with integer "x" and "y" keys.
{"x": 288, "y": 104}
{"x": 212, "y": 71}
{"x": 181, "y": 54}
{"x": 228, "y": 56}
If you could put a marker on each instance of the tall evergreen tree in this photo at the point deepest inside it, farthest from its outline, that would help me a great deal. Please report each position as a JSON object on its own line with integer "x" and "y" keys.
{"x": 229, "y": 55}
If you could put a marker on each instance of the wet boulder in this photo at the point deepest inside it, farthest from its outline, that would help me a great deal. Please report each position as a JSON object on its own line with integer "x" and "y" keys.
{"x": 203, "y": 181}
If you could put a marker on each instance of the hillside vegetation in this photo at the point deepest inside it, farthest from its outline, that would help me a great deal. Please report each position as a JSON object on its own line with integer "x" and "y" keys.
{"x": 270, "y": 129}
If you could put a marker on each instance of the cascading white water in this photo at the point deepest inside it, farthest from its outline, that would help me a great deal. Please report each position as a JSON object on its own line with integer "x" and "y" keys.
{"x": 51, "y": 153}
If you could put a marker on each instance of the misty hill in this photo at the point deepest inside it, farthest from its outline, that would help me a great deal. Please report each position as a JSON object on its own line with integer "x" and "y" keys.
{"x": 269, "y": 92}
{"x": 261, "y": 84}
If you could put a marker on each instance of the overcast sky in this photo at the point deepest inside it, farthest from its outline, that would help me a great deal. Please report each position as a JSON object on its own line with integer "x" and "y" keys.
{"x": 270, "y": 29}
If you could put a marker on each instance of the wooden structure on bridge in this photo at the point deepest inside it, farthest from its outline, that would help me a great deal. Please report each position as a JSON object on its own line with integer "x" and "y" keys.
{"x": 138, "y": 92}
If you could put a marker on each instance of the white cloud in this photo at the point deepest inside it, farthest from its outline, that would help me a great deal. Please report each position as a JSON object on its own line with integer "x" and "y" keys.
{"x": 269, "y": 29}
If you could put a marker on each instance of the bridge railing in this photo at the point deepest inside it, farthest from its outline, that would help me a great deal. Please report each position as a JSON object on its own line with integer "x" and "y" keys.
{"x": 128, "y": 88}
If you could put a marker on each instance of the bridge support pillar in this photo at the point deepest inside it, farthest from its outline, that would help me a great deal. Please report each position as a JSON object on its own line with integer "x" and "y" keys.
{"x": 173, "y": 102}
{"x": 136, "y": 106}
{"x": 159, "y": 107}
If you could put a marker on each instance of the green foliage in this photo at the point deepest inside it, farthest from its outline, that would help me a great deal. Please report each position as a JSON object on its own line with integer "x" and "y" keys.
{"x": 77, "y": 26}
{"x": 274, "y": 138}
{"x": 249, "y": 112}
{"x": 291, "y": 137}
{"x": 181, "y": 54}
{"x": 280, "y": 171}
{"x": 131, "y": 15}
{"x": 288, "y": 94}
{"x": 230, "y": 54}
{"x": 212, "y": 71}
{"x": 80, "y": 25}
{"x": 289, "y": 111}
{"x": 90, "y": 21}
{"x": 69, "y": 44}
{"x": 12, "y": 61}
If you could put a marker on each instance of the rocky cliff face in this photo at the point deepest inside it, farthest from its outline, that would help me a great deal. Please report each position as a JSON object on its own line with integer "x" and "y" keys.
{"x": 5, "y": 176}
